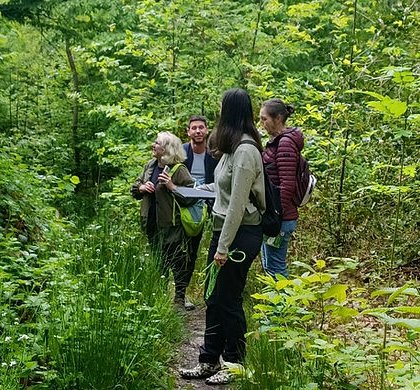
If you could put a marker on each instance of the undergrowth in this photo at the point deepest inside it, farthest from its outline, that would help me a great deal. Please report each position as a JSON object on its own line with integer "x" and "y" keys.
{"x": 88, "y": 311}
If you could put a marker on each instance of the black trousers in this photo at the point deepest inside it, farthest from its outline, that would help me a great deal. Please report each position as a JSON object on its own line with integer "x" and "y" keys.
{"x": 225, "y": 317}
{"x": 193, "y": 244}
{"x": 175, "y": 257}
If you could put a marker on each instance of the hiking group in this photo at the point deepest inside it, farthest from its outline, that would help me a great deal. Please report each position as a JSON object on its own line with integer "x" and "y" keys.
{"x": 235, "y": 167}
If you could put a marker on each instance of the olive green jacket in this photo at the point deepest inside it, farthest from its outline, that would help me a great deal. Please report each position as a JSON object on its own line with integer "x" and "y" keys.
{"x": 168, "y": 219}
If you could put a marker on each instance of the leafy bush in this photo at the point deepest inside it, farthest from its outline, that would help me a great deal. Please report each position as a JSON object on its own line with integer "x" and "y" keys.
{"x": 313, "y": 334}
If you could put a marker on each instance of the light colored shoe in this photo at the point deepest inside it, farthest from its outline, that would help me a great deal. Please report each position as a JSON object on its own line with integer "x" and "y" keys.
{"x": 200, "y": 371}
{"x": 223, "y": 377}
{"x": 188, "y": 305}
{"x": 226, "y": 375}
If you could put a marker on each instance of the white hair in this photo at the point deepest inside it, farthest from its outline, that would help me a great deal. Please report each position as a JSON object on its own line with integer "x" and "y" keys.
{"x": 174, "y": 153}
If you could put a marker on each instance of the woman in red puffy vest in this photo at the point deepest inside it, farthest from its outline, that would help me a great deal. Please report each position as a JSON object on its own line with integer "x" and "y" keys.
{"x": 281, "y": 158}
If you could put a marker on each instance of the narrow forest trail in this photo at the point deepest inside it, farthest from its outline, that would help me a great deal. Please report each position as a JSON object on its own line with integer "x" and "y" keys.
{"x": 188, "y": 352}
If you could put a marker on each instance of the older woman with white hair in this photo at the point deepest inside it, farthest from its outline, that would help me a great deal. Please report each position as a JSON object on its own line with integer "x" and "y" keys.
{"x": 157, "y": 189}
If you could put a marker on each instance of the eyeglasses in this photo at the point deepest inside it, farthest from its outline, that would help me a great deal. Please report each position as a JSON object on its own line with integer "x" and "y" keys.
{"x": 200, "y": 127}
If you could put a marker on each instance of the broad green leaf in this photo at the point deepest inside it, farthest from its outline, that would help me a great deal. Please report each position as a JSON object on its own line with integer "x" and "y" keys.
{"x": 389, "y": 106}
{"x": 282, "y": 283}
{"x": 258, "y": 296}
{"x": 378, "y": 310}
{"x": 305, "y": 297}
{"x": 397, "y": 293}
{"x": 404, "y": 77}
{"x": 337, "y": 291}
{"x": 318, "y": 277}
{"x": 304, "y": 265}
{"x": 414, "y": 118}
{"x": 320, "y": 264}
{"x": 385, "y": 104}
{"x": 275, "y": 299}
{"x": 410, "y": 170}
{"x": 399, "y": 365}
{"x": 83, "y": 18}
{"x": 31, "y": 365}
{"x": 398, "y": 347}
{"x": 402, "y": 132}
{"x": 341, "y": 311}
{"x": 267, "y": 280}
{"x": 290, "y": 344}
{"x": 390, "y": 290}
{"x": 303, "y": 10}
{"x": 264, "y": 308}
{"x": 408, "y": 323}
{"x": 341, "y": 21}
{"x": 3, "y": 40}
{"x": 407, "y": 309}
{"x": 385, "y": 189}
{"x": 75, "y": 180}
{"x": 370, "y": 93}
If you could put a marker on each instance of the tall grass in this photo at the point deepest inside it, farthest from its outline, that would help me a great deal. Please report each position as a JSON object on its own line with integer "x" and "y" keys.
{"x": 273, "y": 367}
{"x": 113, "y": 323}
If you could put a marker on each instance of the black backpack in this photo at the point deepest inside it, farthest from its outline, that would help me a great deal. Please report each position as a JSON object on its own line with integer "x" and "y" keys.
{"x": 273, "y": 214}
{"x": 305, "y": 180}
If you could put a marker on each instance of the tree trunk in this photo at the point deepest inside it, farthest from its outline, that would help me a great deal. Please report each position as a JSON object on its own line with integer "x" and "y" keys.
{"x": 75, "y": 121}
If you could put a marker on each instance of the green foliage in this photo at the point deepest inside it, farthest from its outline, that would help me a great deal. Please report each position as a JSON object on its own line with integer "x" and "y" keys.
{"x": 407, "y": 318}
{"x": 113, "y": 320}
{"x": 85, "y": 310}
{"x": 86, "y": 85}
{"x": 310, "y": 334}
{"x": 27, "y": 195}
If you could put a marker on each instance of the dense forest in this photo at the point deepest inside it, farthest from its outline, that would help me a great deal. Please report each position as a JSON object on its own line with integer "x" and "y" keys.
{"x": 85, "y": 86}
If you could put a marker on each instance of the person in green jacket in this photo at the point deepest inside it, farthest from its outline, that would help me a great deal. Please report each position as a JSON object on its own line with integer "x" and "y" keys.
{"x": 237, "y": 235}
{"x": 156, "y": 187}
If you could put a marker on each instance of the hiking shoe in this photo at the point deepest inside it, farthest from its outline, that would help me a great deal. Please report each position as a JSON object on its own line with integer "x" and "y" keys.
{"x": 188, "y": 305}
{"x": 226, "y": 374}
{"x": 223, "y": 377}
{"x": 184, "y": 304}
{"x": 200, "y": 371}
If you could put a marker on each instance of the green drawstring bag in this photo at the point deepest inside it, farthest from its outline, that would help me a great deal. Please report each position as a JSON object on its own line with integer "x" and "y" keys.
{"x": 193, "y": 217}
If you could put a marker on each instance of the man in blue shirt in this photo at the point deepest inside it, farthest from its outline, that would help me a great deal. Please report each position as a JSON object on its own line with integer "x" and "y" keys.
{"x": 201, "y": 165}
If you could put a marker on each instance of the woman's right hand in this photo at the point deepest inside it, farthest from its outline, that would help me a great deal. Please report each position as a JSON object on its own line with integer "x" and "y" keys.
{"x": 147, "y": 187}
{"x": 220, "y": 258}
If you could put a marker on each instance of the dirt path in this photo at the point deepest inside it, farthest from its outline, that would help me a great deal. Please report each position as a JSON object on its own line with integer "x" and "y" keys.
{"x": 188, "y": 353}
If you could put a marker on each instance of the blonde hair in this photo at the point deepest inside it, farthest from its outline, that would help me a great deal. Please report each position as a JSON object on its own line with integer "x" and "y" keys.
{"x": 174, "y": 152}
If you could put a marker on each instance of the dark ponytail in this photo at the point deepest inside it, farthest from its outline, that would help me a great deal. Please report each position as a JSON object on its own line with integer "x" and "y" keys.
{"x": 276, "y": 107}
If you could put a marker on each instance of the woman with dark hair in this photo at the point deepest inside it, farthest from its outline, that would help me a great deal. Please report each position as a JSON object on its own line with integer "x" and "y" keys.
{"x": 281, "y": 158}
{"x": 236, "y": 227}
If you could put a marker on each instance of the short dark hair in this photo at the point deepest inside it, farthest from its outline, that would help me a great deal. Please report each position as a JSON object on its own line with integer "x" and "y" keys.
{"x": 276, "y": 107}
{"x": 236, "y": 119}
{"x": 200, "y": 118}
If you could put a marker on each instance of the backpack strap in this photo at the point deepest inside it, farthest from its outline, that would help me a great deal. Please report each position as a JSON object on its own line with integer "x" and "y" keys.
{"x": 252, "y": 197}
{"x": 175, "y": 204}
{"x": 174, "y": 169}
